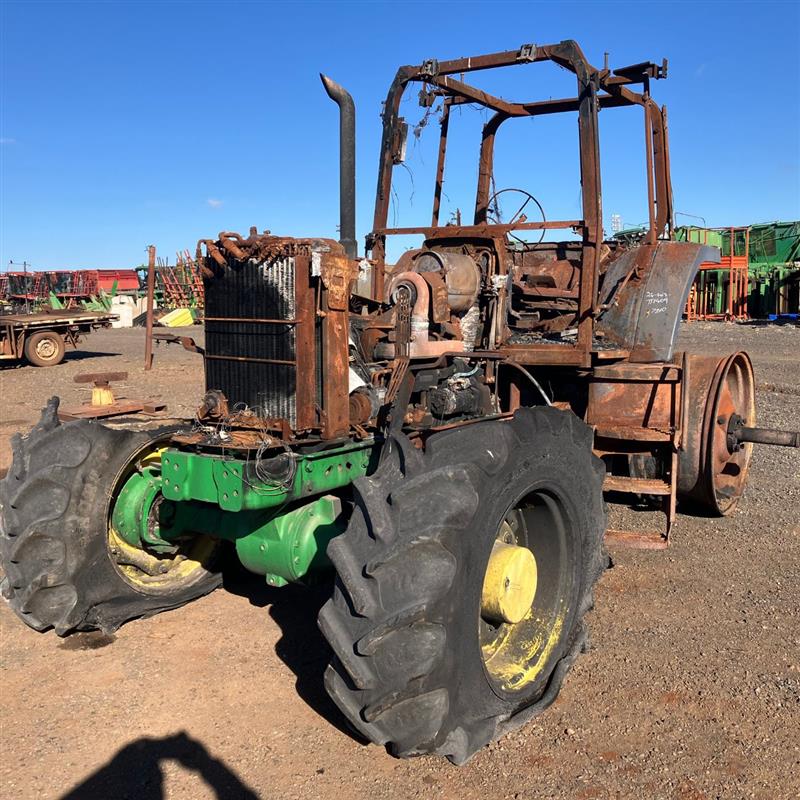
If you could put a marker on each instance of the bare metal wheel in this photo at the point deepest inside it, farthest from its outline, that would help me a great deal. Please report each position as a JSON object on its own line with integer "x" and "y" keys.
{"x": 734, "y": 400}
{"x": 713, "y": 467}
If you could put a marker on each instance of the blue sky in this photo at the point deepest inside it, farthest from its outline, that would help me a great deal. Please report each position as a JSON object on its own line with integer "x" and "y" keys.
{"x": 129, "y": 123}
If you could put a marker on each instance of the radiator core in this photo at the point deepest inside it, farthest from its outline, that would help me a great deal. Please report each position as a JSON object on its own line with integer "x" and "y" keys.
{"x": 245, "y": 336}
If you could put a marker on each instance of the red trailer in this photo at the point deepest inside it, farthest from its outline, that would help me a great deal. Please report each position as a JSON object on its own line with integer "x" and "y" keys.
{"x": 127, "y": 280}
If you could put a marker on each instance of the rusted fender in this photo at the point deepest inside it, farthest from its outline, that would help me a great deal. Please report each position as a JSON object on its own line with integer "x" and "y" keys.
{"x": 644, "y": 294}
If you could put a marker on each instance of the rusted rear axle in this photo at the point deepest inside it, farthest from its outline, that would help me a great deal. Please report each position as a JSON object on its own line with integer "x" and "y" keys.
{"x": 738, "y": 432}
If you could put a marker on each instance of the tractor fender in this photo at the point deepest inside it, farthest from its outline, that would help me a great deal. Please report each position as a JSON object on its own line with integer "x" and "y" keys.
{"x": 643, "y": 296}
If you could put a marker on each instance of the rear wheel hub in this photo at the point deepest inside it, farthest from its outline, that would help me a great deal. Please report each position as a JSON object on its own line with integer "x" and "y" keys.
{"x": 526, "y": 584}
{"x": 510, "y": 583}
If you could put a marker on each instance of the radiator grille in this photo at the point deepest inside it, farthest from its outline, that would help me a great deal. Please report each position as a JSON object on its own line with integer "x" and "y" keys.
{"x": 253, "y": 291}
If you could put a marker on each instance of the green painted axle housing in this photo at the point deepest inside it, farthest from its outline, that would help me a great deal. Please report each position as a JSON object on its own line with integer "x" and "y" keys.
{"x": 280, "y": 528}
{"x": 291, "y": 546}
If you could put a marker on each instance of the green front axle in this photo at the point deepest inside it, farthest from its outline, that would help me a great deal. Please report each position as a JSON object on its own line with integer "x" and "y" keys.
{"x": 280, "y": 524}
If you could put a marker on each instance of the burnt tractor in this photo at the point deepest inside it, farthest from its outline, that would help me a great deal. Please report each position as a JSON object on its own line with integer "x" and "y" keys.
{"x": 436, "y": 434}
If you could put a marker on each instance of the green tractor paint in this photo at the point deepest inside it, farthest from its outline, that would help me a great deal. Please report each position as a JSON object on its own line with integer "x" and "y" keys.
{"x": 234, "y": 484}
{"x": 279, "y": 529}
{"x": 291, "y": 547}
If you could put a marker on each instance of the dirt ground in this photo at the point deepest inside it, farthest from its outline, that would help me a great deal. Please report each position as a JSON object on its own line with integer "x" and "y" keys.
{"x": 691, "y": 689}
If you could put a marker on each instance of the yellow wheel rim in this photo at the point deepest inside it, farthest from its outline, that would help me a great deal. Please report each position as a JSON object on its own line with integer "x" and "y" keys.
{"x": 147, "y": 570}
{"x": 525, "y": 594}
{"x": 509, "y": 585}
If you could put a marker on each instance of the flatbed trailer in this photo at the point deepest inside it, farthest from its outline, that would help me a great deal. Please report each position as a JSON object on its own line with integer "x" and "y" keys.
{"x": 41, "y": 338}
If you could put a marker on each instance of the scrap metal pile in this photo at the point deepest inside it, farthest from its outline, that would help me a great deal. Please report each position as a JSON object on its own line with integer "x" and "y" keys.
{"x": 82, "y": 288}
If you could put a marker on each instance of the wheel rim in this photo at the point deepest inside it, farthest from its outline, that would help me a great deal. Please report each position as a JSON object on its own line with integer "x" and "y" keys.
{"x": 734, "y": 397}
{"x": 148, "y": 566}
{"x": 515, "y": 654}
{"x": 46, "y": 348}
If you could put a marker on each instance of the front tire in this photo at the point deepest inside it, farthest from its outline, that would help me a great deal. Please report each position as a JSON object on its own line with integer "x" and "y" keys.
{"x": 416, "y": 665}
{"x": 56, "y": 548}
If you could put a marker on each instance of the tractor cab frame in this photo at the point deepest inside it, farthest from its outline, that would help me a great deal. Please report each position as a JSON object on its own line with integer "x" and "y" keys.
{"x": 596, "y": 89}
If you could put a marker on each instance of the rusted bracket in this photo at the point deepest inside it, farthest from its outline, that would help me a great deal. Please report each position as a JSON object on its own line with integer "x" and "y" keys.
{"x": 185, "y": 341}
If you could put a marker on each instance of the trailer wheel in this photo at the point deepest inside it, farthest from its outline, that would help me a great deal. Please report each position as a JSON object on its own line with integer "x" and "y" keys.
{"x": 462, "y": 583}
{"x": 64, "y": 566}
{"x": 44, "y": 348}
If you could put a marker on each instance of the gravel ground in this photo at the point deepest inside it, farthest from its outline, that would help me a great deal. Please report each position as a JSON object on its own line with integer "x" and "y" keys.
{"x": 691, "y": 689}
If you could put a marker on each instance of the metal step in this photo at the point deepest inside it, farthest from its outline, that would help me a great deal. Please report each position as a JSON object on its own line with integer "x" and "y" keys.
{"x": 632, "y": 433}
{"x": 622, "y": 483}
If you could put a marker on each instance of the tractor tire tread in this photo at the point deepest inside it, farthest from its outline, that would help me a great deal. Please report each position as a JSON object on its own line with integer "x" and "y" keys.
{"x": 52, "y": 500}
{"x": 395, "y": 553}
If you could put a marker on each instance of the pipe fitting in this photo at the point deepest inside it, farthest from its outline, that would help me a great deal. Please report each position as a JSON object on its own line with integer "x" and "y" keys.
{"x": 420, "y": 322}
{"x": 227, "y": 241}
{"x": 213, "y": 251}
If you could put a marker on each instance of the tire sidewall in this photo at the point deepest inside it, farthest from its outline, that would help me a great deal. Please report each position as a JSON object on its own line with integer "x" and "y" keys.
{"x": 66, "y": 549}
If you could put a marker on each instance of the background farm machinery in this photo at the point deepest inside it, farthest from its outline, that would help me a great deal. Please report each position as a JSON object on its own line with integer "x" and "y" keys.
{"x": 758, "y": 276}
{"x": 86, "y": 289}
{"x": 176, "y": 286}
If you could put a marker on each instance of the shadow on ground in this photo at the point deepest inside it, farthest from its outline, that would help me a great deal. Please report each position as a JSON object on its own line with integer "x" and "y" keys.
{"x": 135, "y": 772}
{"x": 70, "y": 355}
{"x": 80, "y": 355}
{"x": 301, "y": 647}
{"x": 647, "y": 505}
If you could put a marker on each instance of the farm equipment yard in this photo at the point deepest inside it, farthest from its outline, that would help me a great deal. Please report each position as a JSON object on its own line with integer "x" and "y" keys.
{"x": 690, "y": 689}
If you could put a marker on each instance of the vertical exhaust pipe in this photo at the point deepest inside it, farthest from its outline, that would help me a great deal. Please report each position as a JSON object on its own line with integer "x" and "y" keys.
{"x": 347, "y": 164}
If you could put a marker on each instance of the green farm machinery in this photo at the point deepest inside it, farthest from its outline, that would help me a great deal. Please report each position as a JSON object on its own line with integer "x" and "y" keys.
{"x": 774, "y": 256}
{"x": 757, "y": 276}
{"x": 433, "y": 437}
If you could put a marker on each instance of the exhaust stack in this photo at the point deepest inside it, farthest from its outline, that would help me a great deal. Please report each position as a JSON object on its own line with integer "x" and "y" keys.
{"x": 347, "y": 164}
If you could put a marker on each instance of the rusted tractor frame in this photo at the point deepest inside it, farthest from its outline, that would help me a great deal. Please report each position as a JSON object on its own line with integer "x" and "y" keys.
{"x": 596, "y": 89}
{"x": 599, "y": 319}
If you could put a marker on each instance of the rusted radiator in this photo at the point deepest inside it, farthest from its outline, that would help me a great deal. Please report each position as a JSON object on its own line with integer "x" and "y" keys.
{"x": 252, "y": 336}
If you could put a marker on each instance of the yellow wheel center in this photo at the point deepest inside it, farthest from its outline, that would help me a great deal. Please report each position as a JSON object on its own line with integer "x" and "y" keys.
{"x": 509, "y": 585}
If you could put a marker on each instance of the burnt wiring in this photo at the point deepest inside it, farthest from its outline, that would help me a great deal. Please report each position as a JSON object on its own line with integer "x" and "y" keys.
{"x": 530, "y": 377}
{"x": 395, "y": 203}
{"x": 411, "y": 178}
{"x": 271, "y": 480}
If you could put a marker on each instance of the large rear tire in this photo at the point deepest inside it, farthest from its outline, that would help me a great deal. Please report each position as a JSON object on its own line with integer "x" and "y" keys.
{"x": 417, "y": 666}
{"x": 56, "y": 546}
